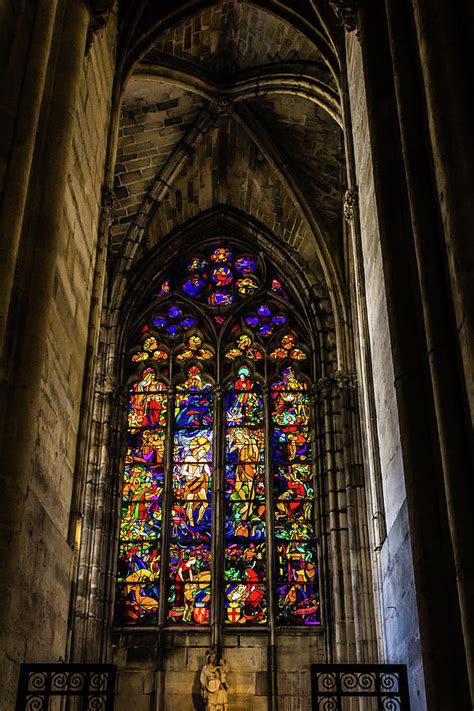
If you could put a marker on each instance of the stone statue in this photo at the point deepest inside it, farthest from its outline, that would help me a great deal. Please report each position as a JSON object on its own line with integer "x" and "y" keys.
{"x": 214, "y": 683}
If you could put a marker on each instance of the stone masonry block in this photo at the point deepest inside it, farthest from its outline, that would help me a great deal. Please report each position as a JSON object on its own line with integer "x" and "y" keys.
{"x": 134, "y": 682}
{"x": 242, "y": 683}
{"x": 128, "y": 702}
{"x": 247, "y": 659}
{"x": 179, "y": 682}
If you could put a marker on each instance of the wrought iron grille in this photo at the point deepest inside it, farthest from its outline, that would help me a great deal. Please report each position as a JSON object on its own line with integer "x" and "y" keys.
{"x": 368, "y": 687}
{"x": 66, "y": 687}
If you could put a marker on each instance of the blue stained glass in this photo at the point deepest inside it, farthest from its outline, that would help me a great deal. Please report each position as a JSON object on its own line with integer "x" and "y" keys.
{"x": 221, "y": 298}
{"x": 291, "y": 444}
{"x": 193, "y": 410}
{"x": 298, "y": 604}
{"x": 221, "y": 254}
{"x": 222, "y": 276}
{"x": 146, "y": 447}
{"x": 193, "y": 287}
{"x": 174, "y": 312}
{"x": 218, "y": 281}
{"x": 191, "y": 520}
{"x": 190, "y": 574}
{"x": 245, "y": 265}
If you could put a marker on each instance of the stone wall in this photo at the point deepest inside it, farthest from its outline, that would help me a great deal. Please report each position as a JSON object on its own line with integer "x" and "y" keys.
{"x": 184, "y": 656}
{"x": 397, "y": 597}
{"x": 39, "y": 607}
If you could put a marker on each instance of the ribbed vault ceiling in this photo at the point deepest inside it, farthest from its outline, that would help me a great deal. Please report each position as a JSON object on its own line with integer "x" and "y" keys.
{"x": 230, "y": 103}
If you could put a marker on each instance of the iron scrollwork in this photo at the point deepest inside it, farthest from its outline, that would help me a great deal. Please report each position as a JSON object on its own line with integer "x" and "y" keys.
{"x": 92, "y": 684}
{"x": 387, "y": 684}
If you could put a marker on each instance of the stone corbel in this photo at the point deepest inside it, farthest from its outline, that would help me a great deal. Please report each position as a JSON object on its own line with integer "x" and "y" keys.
{"x": 106, "y": 385}
{"x": 341, "y": 380}
{"x": 100, "y": 11}
{"x": 346, "y": 13}
{"x": 109, "y": 203}
{"x": 324, "y": 387}
{"x": 351, "y": 202}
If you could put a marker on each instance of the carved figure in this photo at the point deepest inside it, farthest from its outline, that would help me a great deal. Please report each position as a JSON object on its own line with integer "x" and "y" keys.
{"x": 214, "y": 683}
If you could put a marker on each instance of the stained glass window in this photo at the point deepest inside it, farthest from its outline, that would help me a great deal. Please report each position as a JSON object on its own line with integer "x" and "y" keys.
{"x": 219, "y": 471}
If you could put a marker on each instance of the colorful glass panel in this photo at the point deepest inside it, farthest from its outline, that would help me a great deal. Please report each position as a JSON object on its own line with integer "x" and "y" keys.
{"x": 194, "y": 348}
{"x": 265, "y": 321}
{"x": 164, "y": 289}
{"x": 140, "y": 526}
{"x": 287, "y": 348}
{"x": 220, "y": 278}
{"x": 173, "y": 322}
{"x": 278, "y": 288}
{"x": 190, "y": 567}
{"x": 243, "y": 346}
{"x": 189, "y": 594}
{"x": 296, "y": 561}
{"x": 245, "y": 589}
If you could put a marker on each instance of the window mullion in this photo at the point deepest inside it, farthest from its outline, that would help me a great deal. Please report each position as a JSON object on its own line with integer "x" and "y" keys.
{"x": 218, "y": 528}
{"x": 166, "y": 510}
{"x": 270, "y": 517}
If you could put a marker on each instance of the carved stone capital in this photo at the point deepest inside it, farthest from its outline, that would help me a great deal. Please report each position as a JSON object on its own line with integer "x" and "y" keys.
{"x": 351, "y": 201}
{"x": 345, "y": 379}
{"x": 106, "y": 384}
{"x": 324, "y": 386}
{"x": 100, "y": 11}
{"x": 346, "y": 13}
{"x": 109, "y": 201}
{"x": 341, "y": 380}
{"x": 218, "y": 391}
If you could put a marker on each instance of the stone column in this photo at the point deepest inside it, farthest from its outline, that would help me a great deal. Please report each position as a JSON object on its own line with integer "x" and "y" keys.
{"x": 438, "y": 308}
{"x": 21, "y": 157}
{"x": 337, "y": 598}
{"x": 43, "y": 236}
{"x": 445, "y": 34}
{"x": 434, "y": 571}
